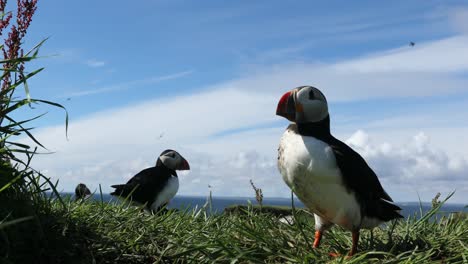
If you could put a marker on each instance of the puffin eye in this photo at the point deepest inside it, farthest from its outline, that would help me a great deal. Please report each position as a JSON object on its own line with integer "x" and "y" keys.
{"x": 172, "y": 155}
{"x": 311, "y": 95}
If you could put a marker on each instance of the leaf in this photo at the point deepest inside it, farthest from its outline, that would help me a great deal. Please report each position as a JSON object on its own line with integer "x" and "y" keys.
{"x": 16, "y": 221}
{"x": 57, "y": 105}
{"x": 10, "y": 183}
{"x": 26, "y": 131}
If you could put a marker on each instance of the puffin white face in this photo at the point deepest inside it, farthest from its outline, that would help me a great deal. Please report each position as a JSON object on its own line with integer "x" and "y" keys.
{"x": 303, "y": 104}
{"x": 173, "y": 160}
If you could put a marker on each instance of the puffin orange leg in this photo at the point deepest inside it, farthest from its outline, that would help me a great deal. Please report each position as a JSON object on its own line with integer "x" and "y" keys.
{"x": 318, "y": 237}
{"x": 353, "y": 251}
{"x": 355, "y": 243}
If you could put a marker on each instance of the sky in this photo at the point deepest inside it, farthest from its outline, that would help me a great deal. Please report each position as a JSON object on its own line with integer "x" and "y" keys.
{"x": 204, "y": 78}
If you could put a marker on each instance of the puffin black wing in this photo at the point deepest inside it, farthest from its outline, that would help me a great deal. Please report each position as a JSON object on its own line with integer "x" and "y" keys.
{"x": 143, "y": 186}
{"x": 362, "y": 180}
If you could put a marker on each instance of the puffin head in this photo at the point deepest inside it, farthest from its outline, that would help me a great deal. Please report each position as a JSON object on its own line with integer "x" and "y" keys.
{"x": 304, "y": 104}
{"x": 172, "y": 160}
{"x": 81, "y": 191}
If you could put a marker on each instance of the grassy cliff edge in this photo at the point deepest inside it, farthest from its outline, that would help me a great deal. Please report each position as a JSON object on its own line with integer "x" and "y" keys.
{"x": 97, "y": 232}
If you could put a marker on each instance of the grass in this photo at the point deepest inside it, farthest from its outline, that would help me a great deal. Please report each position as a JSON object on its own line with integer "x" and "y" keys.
{"x": 275, "y": 210}
{"x": 97, "y": 232}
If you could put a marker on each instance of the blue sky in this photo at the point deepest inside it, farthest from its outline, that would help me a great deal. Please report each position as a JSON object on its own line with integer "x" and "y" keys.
{"x": 207, "y": 76}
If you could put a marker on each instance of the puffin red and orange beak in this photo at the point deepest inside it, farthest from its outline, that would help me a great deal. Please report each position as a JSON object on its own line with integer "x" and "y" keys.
{"x": 286, "y": 106}
{"x": 184, "y": 165}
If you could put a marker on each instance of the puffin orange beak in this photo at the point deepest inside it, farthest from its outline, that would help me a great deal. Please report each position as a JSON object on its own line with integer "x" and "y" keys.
{"x": 184, "y": 165}
{"x": 287, "y": 107}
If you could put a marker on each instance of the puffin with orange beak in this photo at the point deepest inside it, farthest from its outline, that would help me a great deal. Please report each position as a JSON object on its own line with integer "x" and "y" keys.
{"x": 154, "y": 186}
{"x": 331, "y": 179}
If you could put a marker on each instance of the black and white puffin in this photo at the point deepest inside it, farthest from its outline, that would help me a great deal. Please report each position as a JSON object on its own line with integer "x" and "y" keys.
{"x": 82, "y": 192}
{"x": 330, "y": 178}
{"x": 154, "y": 186}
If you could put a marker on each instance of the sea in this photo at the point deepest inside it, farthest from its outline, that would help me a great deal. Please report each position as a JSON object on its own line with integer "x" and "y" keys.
{"x": 216, "y": 204}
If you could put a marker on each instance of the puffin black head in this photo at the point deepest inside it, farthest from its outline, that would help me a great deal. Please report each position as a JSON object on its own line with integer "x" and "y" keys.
{"x": 81, "y": 191}
{"x": 304, "y": 104}
{"x": 172, "y": 160}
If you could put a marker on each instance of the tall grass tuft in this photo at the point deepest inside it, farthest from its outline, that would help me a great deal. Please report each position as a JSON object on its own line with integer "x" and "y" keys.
{"x": 110, "y": 233}
{"x": 258, "y": 194}
{"x": 22, "y": 189}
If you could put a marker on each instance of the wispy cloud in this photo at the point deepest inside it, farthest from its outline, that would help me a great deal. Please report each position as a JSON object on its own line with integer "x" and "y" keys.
{"x": 95, "y": 63}
{"x": 432, "y": 68}
{"x": 447, "y": 55}
{"x": 129, "y": 84}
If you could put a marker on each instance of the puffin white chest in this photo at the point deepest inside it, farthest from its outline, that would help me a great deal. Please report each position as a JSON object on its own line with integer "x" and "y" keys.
{"x": 167, "y": 193}
{"x": 306, "y": 159}
{"x": 309, "y": 168}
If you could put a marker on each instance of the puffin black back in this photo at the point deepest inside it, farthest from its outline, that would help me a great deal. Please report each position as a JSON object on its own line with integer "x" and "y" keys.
{"x": 143, "y": 186}
{"x": 362, "y": 180}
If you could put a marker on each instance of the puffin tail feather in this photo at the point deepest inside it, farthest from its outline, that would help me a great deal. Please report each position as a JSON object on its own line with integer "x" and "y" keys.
{"x": 389, "y": 210}
{"x": 118, "y": 189}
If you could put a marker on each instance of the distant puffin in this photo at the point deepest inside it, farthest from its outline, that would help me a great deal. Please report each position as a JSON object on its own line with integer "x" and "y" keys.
{"x": 329, "y": 177}
{"x": 82, "y": 192}
{"x": 157, "y": 185}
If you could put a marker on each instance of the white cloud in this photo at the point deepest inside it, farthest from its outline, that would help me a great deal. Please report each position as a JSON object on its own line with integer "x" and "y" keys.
{"x": 107, "y": 144}
{"x": 230, "y": 175}
{"x": 427, "y": 69}
{"x": 75, "y": 55}
{"x": 128, "y": 85}
{"x": 447, "y": 55}
{"x": 95, "y": 63}
{"x": 350, "y": 86}
{"x": 414, "y": 165}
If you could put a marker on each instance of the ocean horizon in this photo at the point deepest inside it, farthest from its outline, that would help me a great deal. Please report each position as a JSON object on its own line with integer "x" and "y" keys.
{"x": 219, "y": 203}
